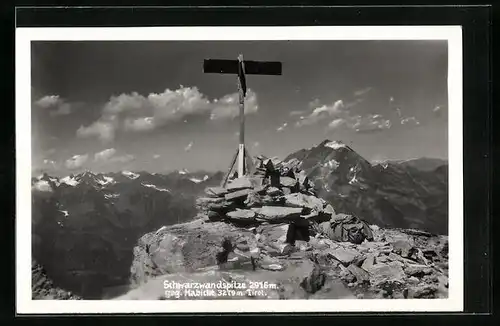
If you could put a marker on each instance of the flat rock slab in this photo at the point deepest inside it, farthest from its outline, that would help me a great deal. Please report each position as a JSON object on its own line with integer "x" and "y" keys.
{"x": 240, "y": 194}
{"x": 209, "y": 200}
{"x": 242, "y": 214}
{"x": 215, "y": 191}
{"x": 239, "y": 183}
{"x": 277, "y": 213}
{"x": 345, "y": 256}
{"x": 301, "y": 200}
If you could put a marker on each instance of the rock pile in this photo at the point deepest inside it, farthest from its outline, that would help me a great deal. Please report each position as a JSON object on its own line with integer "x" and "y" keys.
{"x": 271, "y": 225}
{"x": 276, "y": 192}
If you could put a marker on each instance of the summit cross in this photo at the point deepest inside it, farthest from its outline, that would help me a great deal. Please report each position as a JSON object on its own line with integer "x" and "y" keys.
{"x": 240, "y": 68}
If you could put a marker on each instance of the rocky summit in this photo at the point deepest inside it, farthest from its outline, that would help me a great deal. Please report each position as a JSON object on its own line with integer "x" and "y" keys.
{"x": 271, "y": 227}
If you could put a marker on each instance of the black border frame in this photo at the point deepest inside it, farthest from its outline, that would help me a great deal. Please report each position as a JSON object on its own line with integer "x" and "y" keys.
{"x": 476, "y": 22}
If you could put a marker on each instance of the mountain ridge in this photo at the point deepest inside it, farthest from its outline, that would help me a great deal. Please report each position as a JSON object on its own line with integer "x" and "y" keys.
{"x": 92, "y": 220}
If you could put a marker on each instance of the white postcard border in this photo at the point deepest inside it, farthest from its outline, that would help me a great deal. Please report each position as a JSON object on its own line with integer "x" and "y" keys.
{"x": 24, "y": 36}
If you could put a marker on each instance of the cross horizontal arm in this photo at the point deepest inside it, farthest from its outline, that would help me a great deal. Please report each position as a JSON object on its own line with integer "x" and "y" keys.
{"x": 251, "y": 67}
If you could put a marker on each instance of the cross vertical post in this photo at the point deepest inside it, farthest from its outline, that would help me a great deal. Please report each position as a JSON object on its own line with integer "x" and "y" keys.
{"x": 241, "y": 68}
{"x": 241, "y": 93}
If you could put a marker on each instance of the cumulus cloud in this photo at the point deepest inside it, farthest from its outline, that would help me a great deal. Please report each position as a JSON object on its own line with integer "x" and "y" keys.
{"x": 156, "y": 156}
{"x": 282, "y": 127}
{"x": 410, "y": 121}
{"x": 256, "y": 144}
{"x": 398, "y": 111}
{"x": 54, "y": 104}
{"x": 76, "y": 161}
{"x": 50, "y": 163}
{"x": 228, "y": 108}
{"x": 297, "y": 112}
{"x": 336, "y": 123}
{"x": 48, "y": 101}
{"x": 139, "y": 124}
{"x": 314, "y": 103}
{"x": 188, "y": 147}
{"x": 105, "y": 155}
{"x": 104, "y": 130}
{"x": 339, "y": 115}
{"x": 362, "y": 91}
{"x": 321, "y": 113}
{"x": 137, "y": 113}
{"x": 371, "y": 123}
{"x": 122, "y": 158}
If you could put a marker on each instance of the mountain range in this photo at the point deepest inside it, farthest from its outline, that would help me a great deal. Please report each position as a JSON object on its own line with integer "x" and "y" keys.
{"x": 86, "y": 225}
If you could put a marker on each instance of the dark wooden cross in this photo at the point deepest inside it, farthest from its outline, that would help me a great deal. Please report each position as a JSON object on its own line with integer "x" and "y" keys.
{"x": 241, "y": 68}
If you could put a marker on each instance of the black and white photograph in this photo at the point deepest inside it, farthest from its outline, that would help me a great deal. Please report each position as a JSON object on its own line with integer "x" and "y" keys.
{"x": 289, "y": 170}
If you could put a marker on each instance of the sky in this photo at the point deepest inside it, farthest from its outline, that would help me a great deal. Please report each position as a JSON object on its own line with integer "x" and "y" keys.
{"x": 148, "y": 106}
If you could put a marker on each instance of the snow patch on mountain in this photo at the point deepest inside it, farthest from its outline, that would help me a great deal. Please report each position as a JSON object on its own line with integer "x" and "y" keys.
{"x": 154, "y": 187}
{"x": 66, "y": 214}
{"x": 332, "y": 164}
{"x": 55, "y": 181}
{"x": 42, "y": 185}
{"x": 196, "y": 180}
{"x": 183, "y": 172}
{"x": 335, "y": 145}
{"x": 70, "y": 181}
{"x": 109, "y": 196}
{"x": 130, "y": 174}
{"x": 107, "y": 180}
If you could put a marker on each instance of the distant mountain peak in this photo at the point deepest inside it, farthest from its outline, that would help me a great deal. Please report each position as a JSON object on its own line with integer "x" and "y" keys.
{"x": 130, "y": 174}
{"x": 335, "y": 144}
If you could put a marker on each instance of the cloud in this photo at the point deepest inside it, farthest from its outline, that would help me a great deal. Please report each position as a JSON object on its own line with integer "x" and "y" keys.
{"x": 321, "y": 113}
{"x": 54, "y": 105}
{"x": 410, "y": 121}
{"x": 137, "y": 113}
{"x": 297, "y": 112}
{"x": 228, "y": 108}
{"x": 371, "y": 123}
{"x": 398, "y": 110}
{"x": 256, "y": 144}
{"x": 105, "y": 155}
{"x": 156, "y": 156}
{"x": 362, "y": 91}
{"x": 104, "y": 130}
{"x": 50, "y": 163}
{"x": 139, "y": 124}
{"x": 122, "y": 159}
{"x": 339, "y": 116}
{"x": 76, "y": 161}
{"x": 314, "y": 103}
{"x": 335, "y": 124}
{"x": 391, "y": 99}
{"x": 48, "y": 101}
{"x": 282, "y": 127}
{"x": 188, "y": 147}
